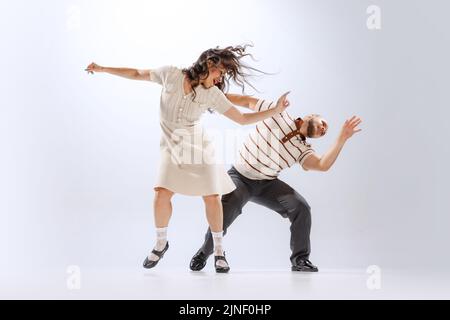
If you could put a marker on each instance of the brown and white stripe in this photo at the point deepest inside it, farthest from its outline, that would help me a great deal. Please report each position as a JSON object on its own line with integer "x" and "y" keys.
{"x": 263, "y": 155}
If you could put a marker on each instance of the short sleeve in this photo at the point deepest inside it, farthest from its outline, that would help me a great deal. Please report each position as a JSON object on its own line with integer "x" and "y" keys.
{"x": 307, "y": 151}
{"x": 161, "y": 75}
{"x": 219, "y": 102}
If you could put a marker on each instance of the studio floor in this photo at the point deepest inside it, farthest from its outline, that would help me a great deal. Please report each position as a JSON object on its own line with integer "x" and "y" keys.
{"x": 239, "y": 285}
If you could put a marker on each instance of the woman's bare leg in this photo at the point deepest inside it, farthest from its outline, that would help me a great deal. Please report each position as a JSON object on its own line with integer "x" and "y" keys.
{"x": 214, "y": 214}
{"x": 162, "y": 207}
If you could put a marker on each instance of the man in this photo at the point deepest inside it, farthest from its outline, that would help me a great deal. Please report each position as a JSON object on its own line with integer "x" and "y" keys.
{"x": 274, "y": 145}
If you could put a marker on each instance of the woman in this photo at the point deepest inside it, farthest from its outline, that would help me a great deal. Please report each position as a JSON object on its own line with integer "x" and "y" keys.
{"x": 185, "y": 96}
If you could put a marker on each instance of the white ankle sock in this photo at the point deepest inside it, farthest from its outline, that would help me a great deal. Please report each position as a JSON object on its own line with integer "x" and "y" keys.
{"x": 218, "y": 248}
{"x": 161, "y": 241}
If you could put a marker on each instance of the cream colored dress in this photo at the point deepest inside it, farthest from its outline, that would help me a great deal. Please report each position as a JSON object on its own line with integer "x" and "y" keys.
{"x": 188, "y": 165}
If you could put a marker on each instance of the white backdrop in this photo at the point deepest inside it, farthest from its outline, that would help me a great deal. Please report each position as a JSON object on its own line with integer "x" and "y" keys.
{"x": 79, "y": 153}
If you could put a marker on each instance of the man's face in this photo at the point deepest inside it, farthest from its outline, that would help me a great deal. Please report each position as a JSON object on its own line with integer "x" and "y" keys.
{"x": 316, "y": 126}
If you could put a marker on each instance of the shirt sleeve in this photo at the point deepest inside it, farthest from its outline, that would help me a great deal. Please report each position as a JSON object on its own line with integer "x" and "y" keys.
{"x": 307, "y": 151}
{"x": 219, "y": 102}
{"x": 162, "y": 74}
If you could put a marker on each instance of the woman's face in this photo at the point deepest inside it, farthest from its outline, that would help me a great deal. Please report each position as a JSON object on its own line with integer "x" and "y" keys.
{"x": 216, "y": 74}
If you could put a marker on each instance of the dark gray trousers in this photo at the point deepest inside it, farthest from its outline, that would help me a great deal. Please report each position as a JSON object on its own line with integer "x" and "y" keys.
{"x": 275, "y": 195}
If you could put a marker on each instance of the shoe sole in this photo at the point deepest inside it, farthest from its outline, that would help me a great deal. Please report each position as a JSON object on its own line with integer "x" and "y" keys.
{"x": 304, "y": 270}
{"x": 151, "y": 267}
{"x": 199, "y": 269}
{"x": 222, "y": 271}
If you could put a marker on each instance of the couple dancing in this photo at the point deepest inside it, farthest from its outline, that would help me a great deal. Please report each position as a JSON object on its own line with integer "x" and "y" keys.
{"x": 278, "y": 142}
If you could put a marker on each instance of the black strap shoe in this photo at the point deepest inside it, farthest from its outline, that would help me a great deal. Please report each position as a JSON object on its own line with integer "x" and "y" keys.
{"x": 304, "y": 265}
{"x": 198, "y": 261}
{"x": 221, "y": 269}
{"x": 148, "y": 264}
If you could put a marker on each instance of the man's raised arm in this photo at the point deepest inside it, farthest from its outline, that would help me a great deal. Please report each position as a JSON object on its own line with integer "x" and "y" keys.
{"x": 325, "y": 162}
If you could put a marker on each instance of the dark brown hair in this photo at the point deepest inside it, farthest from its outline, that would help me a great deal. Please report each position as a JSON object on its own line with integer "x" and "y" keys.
{"x": 230, "y": 58}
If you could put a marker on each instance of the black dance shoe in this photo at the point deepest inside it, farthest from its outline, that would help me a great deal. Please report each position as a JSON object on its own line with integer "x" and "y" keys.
{"x": 304, "y": 265}
{"x": 198, "y": 261}
{"x": 148, "y": 264}
{"x": 221, "y": 269}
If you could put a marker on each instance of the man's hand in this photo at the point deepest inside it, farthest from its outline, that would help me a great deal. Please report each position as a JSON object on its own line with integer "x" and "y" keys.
{"x": 350, "y": 128}
{"x": 283, "y": 103}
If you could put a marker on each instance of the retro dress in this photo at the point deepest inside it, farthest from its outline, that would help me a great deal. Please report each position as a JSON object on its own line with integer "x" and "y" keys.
{"x": 187, "y": 164}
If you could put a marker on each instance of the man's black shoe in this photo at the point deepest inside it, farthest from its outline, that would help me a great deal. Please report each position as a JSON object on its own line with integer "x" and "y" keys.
{"x": 304, "y": 265}
{"x": 198, "y": 261}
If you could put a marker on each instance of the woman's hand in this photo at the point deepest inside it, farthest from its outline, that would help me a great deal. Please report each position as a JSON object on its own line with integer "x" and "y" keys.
{"x": 283, "y": 103}
{"x": 93, "y": 67}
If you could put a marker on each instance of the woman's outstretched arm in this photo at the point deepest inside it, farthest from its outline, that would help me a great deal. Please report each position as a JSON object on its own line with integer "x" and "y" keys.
{"x": 242, "y": 101}
{"x": 128, "y": 73}
{"x": 251, "y": 118}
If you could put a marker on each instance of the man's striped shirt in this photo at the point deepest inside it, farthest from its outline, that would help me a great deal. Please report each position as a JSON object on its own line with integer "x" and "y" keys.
{"x": 263, "y": 155}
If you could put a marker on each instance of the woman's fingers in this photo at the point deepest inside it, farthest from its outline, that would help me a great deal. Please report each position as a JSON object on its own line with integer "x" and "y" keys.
{"x": 284, "y": 96}
{"x": 283, "y": 103}
{"x": 91, "y": 68}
